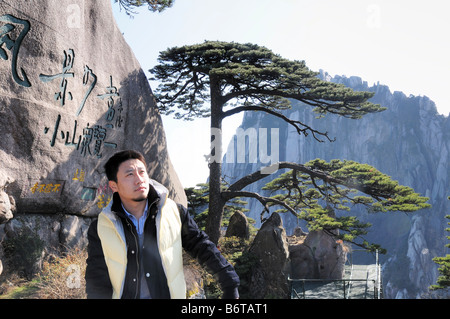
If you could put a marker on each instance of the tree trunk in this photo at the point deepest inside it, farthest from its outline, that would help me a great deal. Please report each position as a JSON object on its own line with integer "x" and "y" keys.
{"x": 216, "y": 203}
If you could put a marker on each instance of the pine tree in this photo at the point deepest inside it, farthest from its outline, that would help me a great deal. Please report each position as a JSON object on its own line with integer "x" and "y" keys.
{"x": 198, "y": 199}
{"x": 153, "y": 5}
{"x": 314, "y": 191}
{"x": 443, "y": 280}
{"x": 219, "y": 79}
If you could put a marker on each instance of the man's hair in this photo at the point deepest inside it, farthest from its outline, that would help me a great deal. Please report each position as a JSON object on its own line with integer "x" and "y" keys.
{"x": 112, "y": 165}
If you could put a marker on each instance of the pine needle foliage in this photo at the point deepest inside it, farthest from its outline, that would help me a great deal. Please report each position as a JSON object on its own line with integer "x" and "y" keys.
{"x": 153, "y": 5}
{"x": 323, "y": 188}
{"x": 219, "y": 79}
{"x": 248, "y": 74}
{"x": 443, "y": 280}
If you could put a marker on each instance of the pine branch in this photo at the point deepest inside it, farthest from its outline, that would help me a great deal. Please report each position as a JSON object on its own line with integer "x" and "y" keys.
{"x": 227, "y": 195}
{"x": 299, "y": 126}
{"x": 354, "y": 176}
{"x": 256, "y": 176}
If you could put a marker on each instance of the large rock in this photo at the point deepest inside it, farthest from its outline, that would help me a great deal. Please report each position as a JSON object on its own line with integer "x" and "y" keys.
{"x": 72, "y": 94}
{"x": 238, "y": 226}
{"x": 320, "y": 256}
{"x": 7, "y": 206}
{"x": 46, "y": 228}
{"x": 73, "y": 231}
{"x": 303, "y": 265}
{"x": 270, "y": 248}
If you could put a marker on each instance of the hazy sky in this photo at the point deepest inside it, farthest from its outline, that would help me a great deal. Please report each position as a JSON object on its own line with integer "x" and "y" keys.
{"x": 402, "y": 44}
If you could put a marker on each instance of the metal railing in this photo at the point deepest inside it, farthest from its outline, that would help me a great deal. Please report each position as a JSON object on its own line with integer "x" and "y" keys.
{"x": 340, "y": 288}
{"x": 346, "y": 286}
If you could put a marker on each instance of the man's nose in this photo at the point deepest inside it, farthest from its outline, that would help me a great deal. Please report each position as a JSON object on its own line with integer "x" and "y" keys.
{"x": 140, "y": 178}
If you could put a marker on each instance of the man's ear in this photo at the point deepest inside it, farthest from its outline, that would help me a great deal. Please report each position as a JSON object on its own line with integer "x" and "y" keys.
{"x": 113, "y": 186}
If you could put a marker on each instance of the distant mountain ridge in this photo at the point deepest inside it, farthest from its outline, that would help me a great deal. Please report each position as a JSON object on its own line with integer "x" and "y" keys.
{"x": 409, "y": 141}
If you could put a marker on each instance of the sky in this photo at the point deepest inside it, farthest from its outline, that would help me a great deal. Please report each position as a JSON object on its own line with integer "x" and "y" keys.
{"x": 402, "y": 44}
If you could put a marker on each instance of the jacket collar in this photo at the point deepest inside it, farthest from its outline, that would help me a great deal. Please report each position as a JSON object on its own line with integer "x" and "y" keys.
{"x": 157, "y": 193}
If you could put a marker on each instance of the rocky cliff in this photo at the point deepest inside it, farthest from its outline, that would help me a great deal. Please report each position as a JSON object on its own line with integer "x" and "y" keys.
{"x": 72, "y": 94}
{"x": 409, "y": 141}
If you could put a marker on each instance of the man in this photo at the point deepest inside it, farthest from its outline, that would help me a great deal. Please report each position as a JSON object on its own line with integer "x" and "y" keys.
{"x": 135, "y": 245}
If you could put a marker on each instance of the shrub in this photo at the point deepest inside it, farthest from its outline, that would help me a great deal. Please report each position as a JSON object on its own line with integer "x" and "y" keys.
{"x": 63, "y": 277}
{"x": 24, "y": 251}
{"x": 235, "y": 250}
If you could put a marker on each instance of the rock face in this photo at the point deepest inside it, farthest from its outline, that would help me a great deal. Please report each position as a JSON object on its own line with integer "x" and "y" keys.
{"x": 7, "y": 207}
{"x": 238, "y": 226}
{"x": 314, "y": 255}
{"x": 72, "y": 94}
{"x": 410, "y": 142}
{"x": 269, "y": 276}
{"x": 319, "y": 256}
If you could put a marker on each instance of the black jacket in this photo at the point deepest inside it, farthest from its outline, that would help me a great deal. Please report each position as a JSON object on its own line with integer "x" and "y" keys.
{"x": 195, "y": 242}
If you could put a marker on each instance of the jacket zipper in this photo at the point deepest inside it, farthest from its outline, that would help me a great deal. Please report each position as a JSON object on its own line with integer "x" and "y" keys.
{"x": 137, "y": 260}
{"x": 138, "y": 251}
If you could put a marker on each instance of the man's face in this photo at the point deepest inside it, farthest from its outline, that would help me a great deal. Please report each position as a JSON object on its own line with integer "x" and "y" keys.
{"x": 132, "y": 181}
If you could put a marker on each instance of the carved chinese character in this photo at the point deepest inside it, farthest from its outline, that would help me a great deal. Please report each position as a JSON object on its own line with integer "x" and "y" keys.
{"x": 55, "y": 132}
{"x": 67, "y": 66}
{"x": 79, "y": 175}
{"x": 48, "y": 188}
{"x": 34, "y": 188}
{"x": 99, "y": 135}
{"x": 56, "y": 188}
{"x": 73, "y": 143}
{"x": 6, "y": 31}
{"x": 111, "y": 91}
{"x": 86, "y": 142}
{"x": 119, "y": 118}
{"x": 86, "y": 76}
